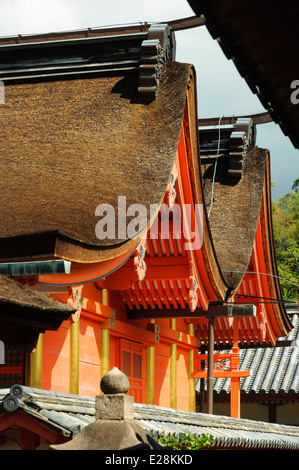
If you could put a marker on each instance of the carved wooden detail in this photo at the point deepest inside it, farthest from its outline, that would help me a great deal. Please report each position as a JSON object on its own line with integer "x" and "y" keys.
{"x": 75, "y": 302}
{"x": 140, "y": 264}
{"x": 171, "y": 185}
{"x": 193, "y": 294}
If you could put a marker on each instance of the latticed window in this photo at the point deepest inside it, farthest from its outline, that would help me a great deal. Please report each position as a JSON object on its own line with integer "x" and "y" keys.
{"x": 12, "y": 371}
{"x": 131, "y": 365}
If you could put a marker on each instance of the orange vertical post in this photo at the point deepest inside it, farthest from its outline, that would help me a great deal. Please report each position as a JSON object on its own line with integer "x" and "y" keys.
{"x": 210, "y": 374}
{"x": 235, "y": 395}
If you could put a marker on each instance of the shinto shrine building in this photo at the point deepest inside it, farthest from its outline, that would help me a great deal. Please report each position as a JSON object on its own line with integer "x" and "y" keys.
{"x": 126, "y": 239}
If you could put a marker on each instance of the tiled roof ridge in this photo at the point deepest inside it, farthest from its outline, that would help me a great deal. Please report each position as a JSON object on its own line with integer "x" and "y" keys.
{"x": 39, "y": 401}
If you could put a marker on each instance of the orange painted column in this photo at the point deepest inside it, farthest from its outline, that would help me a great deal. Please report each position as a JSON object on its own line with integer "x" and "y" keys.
{"x": 192, "y": 395}
{"x": 150, "y": 376}
{"x": 105, "y": 339}
{"x": 235, "y": 394}
{"x": 173, "y": 369}
{"x": 36, "y": 364}
{"x": 210, "y": 373}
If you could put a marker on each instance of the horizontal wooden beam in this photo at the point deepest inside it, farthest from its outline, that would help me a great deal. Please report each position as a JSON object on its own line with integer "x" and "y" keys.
{"x": 235, "y": 310}
{"x": 260, "y": 118}
{"x": 213, "y": 311}
{"x": 164, "y": 268}
{"x": 136, "y": 314}
{"x": 121, "y": 329}
{"x": 221, "y": 374}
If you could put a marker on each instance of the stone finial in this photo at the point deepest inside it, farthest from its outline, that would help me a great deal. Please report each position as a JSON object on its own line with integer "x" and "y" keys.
{"x": 114, "y": 404}
{"x": 114, "y": 427}
{"x": 115, "y": 382}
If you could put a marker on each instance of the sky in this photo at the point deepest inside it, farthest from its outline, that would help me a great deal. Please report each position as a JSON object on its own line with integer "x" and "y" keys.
{"x": 221, "y": 91}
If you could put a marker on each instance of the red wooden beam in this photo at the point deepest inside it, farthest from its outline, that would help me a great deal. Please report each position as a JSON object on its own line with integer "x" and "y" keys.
{"x": 222, "y": 374}
{"x": 157, "y": 269}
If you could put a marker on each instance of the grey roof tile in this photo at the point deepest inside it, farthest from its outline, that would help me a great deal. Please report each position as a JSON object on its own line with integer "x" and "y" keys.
{"x": 59, "y": 411}
{"x": 274, "y": 370}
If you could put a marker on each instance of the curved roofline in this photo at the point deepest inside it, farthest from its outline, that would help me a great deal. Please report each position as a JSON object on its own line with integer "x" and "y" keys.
{"x": 193, "y": 152}
{"x": 284, "y": 325}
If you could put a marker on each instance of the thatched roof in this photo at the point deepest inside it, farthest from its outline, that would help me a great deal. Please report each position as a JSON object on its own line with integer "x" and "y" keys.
{"x": 72, "y": 145}
{"x": 78, "y": 134}
{"x": 25, "y": 313}
{"x": 235, "y": 211}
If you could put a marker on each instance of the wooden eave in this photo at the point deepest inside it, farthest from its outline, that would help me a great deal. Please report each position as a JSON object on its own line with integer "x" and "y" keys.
{"x": 171, "y": 268}
{"x": 114, "y": 265}
{"x": 25, "y": 314}
{"x": 259, "y": 37}
{"x": 39, "y": 239}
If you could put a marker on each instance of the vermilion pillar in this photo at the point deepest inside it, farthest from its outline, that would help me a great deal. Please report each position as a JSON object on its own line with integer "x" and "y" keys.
{"x": 235, "y": 395}
{"x": 234, "y": 373}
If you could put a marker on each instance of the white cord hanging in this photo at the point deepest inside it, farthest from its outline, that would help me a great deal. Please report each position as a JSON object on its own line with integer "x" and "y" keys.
{"x": 215, "y": 167}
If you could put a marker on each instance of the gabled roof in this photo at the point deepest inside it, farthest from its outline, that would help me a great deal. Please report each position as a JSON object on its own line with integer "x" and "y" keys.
{"x": 69, "y": 414}
{"x": 236, "y": 185}
{"x": 88, "y": 120}
{"x": 235, "y": 210}
{"x": 90, "y": 139}
{"x": 24, "y": 314}
{"x": 85, "y": 142}
{"x": 261, "y": 38}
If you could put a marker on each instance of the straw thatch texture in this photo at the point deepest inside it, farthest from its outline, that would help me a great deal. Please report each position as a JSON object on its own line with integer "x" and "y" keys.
{"x": 235, "y": 212}
{"x": 25, "y": 313}
{"x": 68, "y": 146}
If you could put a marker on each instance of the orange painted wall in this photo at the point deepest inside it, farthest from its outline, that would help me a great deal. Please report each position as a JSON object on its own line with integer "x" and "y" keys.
{"x": 182, "y": 379}
{"x": 56, "y": 355}
{"x": 90, "y": 357}
{"x": 162, "y": 374}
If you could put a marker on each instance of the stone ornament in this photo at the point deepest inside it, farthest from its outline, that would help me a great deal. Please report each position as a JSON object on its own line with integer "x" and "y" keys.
{"x": 114, "y": 382}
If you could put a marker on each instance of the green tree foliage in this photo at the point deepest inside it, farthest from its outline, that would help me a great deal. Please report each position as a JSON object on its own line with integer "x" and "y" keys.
{"x": 285, "y": 214}
{"x": 187, "y": 441}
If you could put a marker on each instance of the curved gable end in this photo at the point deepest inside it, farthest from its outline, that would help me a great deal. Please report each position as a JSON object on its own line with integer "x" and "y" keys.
{"x": 85, "y": 142}
{"x": 240, "y": 219}
{"x": 261, "y": 281}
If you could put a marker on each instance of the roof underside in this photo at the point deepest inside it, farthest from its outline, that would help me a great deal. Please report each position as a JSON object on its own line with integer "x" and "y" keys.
{"x": 24, "y": 314}
{"x": 260, "y": 38}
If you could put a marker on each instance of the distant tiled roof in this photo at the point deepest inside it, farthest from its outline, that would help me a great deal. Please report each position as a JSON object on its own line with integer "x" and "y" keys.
{"x": 69, "y": 414}
{"x": 274, "y": 371}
